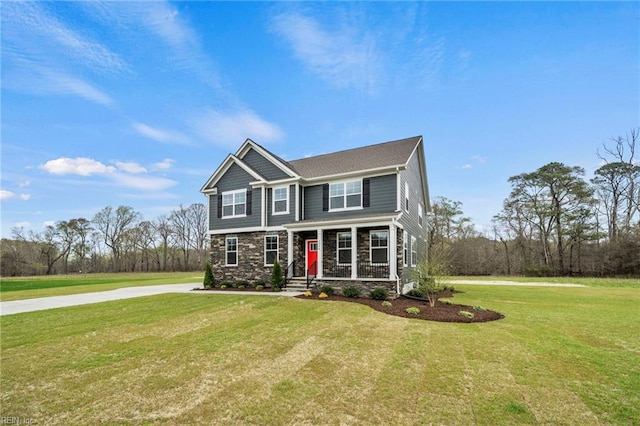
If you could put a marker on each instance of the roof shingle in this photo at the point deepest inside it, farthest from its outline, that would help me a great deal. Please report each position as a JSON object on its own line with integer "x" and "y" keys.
{"x": 386, "y": 154}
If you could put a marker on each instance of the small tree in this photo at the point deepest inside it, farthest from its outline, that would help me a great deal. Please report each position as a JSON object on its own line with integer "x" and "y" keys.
{"x": 209, "y": 281}
{"x": 277, "y": 280}
{"x": 432, "y": 275}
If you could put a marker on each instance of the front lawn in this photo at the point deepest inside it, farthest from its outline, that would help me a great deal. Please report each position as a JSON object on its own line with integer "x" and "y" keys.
{"x": 16, "y": 288}
{"x": 560, "y": 356}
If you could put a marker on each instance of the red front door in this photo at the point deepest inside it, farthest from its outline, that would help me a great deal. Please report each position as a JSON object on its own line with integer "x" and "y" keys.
{"x": 312, "y": 257}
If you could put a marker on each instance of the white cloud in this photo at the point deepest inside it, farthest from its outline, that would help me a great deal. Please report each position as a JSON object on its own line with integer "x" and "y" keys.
{"x": 48, "y": 223}
{"x": 344, "y": 58}
{"x": 467, "y": 166}
{"x": 8, "y": 195}
{"x": 43, "y": 55}
{"x": 159, "y": 135}
{"x": 480, "y": 159}
{"x": 165, "y": 164}
{"x": 146, "y": 183}
{"x": 44, "y": 38}
{"x": 230, "y": 129}
{"x": 76, "y": 166}
{"x": 130, "y": 167}
{"x": 23, "y": 224}
{"x": 5, "y": 195}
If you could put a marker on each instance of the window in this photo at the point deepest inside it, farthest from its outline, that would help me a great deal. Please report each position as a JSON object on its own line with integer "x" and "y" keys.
{"x": 234, "y": 203}
{"x": 405, "y": 248}
{"x": 379, "y": 246}
{"x": 406, "y": 196}
{"x": 344, "y": 248}
{"x": 420, "y": 215}
{"x": 231, "y": 251}
{"x": 281, "y": 200}
{"x": 414, "y": 251}
{"x": 270, "y": 249}
{"x": 345, "y": 195}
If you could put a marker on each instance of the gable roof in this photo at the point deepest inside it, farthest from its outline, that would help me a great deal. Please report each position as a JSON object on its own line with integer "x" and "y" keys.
{"x": 371, "y": 157}
{"x": 386, "y": 155}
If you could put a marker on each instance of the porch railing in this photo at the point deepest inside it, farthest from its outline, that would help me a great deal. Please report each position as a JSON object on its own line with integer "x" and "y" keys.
{"x": 373, "y": 270}
{"x": 365, "y": 270}
{"x": 312, "y": 272}
{"x": 289, "y": 273}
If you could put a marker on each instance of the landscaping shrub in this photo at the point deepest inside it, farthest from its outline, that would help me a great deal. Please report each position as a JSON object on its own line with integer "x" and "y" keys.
{"x": 466, "y": 314}
{"x": 277, "y": 280}
{"x": 209, "y": 281}
{"x": 350, "y": 291}
{"x": 379, "y": 293}
{"x": 323, "y": 295}
{"x": 258, "y": 283}
{"x": 416, "y": 292}
{"x": 413, "y": 310}
{"x": 327, "y": 289}
{"x": 387, "y": 304}
{"x": 479, "y": 308}
{"x": 259, "y": 287}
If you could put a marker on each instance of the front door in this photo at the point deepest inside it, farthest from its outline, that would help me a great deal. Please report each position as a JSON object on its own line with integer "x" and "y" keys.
{"x": 312, "y": 257}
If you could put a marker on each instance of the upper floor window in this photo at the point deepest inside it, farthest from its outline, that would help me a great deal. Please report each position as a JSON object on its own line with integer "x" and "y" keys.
{"x": 420, "y": 214}
{"x": 234, "y": 203}
{"x": 406, "y": 196}
{"x": 281, "y": 200}
{"x": 345, "y": 195}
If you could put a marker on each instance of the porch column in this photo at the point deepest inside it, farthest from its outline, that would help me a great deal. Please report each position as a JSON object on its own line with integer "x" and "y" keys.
{"x": 354, "y": 252}
{"x": 289, "y": 252}
{"x": 393, "y": 252}
{"x": 320, "y": 253}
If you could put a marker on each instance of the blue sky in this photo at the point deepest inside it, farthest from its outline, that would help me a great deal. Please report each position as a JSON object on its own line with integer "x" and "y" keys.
{"x": 138, "y": 103}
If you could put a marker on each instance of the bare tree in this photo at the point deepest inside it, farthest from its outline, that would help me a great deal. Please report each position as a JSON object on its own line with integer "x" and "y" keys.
{"x": 112, "y": 225}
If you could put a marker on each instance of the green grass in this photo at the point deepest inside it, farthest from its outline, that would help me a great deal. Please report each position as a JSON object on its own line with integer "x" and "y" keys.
{"x": 15, "y": 288}
{"x": 591, "y": 282}
{"x": 561, "y": 356}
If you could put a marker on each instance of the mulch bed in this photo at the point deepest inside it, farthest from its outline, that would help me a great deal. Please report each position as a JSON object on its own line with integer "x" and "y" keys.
{"x": 441, "y": 312}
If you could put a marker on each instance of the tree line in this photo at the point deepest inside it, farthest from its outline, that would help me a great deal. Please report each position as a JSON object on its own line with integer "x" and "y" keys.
{"x": 114, "y": 240}
{"x": 554, "y": 221}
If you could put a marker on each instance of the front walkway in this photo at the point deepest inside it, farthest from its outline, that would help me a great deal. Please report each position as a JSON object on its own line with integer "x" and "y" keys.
{"x": 43, "y": 303}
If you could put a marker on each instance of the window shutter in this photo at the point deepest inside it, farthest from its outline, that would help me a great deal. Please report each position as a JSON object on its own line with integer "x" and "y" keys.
{"x": 219, "y": 206}
{"x": 366, "y": 183}
{"x": 249, "y": 198}
{"x": 325, "y": 197}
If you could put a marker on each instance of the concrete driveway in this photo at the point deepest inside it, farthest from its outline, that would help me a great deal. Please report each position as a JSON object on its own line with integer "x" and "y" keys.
{"x": 43, "y": 303}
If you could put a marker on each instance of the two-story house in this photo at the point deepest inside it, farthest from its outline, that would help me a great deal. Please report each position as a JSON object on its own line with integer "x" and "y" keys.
{"x": 354, "y": 217}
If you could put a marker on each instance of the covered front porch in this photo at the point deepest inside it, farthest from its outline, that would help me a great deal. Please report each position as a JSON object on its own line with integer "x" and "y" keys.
{"x": 347, "y": 250}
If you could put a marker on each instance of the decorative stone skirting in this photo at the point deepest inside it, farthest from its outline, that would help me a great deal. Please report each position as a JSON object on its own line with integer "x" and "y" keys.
{"x": 251, "y": 266}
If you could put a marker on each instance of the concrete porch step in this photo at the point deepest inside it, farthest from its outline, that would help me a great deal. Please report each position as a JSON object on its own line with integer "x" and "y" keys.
{"x": 297, "y": 284}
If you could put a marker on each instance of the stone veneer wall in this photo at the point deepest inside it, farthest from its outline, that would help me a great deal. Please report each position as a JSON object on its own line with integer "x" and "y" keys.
{"x": 250, "y": 257}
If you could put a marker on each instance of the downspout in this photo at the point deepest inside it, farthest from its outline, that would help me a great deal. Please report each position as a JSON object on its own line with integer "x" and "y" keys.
{"x": 398, "y": 285}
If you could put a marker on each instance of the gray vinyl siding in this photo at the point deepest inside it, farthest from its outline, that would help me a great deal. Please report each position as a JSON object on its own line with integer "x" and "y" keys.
{"x": 235, "y": 178}
{"x": 263, "y": 166}
{"x": 280, "y": 219}
{"x": 382, "y": 199}
{"x": 411, "y": 175}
